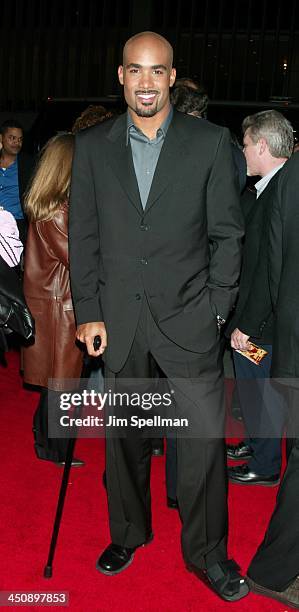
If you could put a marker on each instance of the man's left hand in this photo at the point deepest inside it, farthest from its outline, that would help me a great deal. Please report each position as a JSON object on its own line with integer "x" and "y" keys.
{"x": 239, "y": 340}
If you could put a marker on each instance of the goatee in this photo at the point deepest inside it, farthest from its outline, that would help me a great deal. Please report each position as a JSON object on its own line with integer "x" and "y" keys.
{"x": 146, "y": 112}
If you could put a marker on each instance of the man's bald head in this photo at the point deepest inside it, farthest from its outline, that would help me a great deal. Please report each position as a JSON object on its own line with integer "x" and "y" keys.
{"x": 148, "y": 39}
{"x": 147, "y": 74}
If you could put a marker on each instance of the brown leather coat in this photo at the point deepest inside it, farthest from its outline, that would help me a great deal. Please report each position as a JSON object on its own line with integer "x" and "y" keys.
{"x": 54, "y": 353}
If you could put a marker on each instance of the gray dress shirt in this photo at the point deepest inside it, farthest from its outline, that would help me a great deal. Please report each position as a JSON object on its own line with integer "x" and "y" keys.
{"x": 145, "y": 153}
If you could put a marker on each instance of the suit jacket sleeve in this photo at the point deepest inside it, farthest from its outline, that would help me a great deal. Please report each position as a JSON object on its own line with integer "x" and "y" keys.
{"x": 258, "y": 308}
{"x": 26, "y": 164}
{"x": 225, "y": 229}
{"x": 283, "y": 235}
{"x": 275, "y": 250}
{"x": 84, "y": 239}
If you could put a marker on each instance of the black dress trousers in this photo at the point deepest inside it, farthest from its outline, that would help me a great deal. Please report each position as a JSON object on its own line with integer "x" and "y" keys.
{"x": 276, "y": 562}
{"x": 196, "y": 382}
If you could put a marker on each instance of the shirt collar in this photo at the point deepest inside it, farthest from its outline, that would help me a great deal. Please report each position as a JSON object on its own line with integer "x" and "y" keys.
{"x": 163, "y": 128}
{"x": 12, "y": 166}
{"x": 263, "y": 182}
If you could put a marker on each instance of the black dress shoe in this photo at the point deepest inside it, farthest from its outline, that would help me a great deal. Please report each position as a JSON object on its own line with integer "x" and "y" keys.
{"x": 75, "y": 463}
{"x": 238, "y": 452}
{"x": 241, "y": 474}
{"x": 224, "y": 579}
{"x": 289, "y": 597}
{"x": 172, "y": 503}
{"x": 116, "y": 558}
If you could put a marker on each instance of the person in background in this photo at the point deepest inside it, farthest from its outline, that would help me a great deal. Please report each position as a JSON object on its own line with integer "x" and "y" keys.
{"x": 16, "y": 168}
{"x": 15, "y": 318}
{"x": 274, "y": 569}
{"x": 11, "y": 247}
{"x": 92, "y": 115}
{"x": 54, "y": 354}
{"x": 268, "y": 143}
{"x": 191, "y": 98}
{"x": 11, "y": 250}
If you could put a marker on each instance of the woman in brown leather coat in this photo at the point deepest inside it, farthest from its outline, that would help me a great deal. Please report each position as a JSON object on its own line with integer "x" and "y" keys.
{"x": 54, "y": 354}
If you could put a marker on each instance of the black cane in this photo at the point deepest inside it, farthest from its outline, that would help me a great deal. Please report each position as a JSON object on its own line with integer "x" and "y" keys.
{"x": 48, "y": 570}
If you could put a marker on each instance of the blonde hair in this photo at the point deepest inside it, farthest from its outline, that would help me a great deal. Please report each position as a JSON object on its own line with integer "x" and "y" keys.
{"x": 50, "y": 184}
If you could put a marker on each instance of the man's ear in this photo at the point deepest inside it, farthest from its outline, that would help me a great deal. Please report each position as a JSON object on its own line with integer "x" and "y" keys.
{"x": 263, "y": 145}
{"x": 172, "y": 77}
{"x": 120, "y": 73}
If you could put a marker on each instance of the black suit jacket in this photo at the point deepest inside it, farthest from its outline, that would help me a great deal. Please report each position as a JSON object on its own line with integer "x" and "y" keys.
{"x": 284, "y": 272}
{"x": 253, "y": 314}
{"x": 182, "y": 251}
{"x": 26, "y": 164}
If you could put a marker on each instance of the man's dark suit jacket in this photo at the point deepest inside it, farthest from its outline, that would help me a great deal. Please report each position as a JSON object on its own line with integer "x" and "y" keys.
{"x": 284, "y": 272}
{"x": 253, "y": 314}
{"x": 25, "y": 171}
{"x": 182, "y": 251}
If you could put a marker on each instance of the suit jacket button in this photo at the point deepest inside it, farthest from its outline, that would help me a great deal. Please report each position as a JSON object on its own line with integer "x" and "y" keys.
{"x": 143, "y": 227}
{"x": 137, "y": 297}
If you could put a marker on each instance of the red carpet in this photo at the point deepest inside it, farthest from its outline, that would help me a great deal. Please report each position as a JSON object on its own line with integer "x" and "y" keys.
{"x": 156, "y": 581}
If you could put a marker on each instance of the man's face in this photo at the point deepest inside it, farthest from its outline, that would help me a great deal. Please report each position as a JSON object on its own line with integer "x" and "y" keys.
{"x": 146, "y": 76}
{"x": 12, "y": 141}
{"x": 252, "y": 155}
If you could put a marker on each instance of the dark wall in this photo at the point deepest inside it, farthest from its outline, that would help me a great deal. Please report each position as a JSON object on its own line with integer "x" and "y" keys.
{"x": 240, "y": 49}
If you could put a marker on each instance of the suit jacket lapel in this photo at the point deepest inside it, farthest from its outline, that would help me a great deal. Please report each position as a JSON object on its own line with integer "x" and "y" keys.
{"x": 264, "y": 200}
{"x": 172, "y": 153}
{"x": 120, "y": 159}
